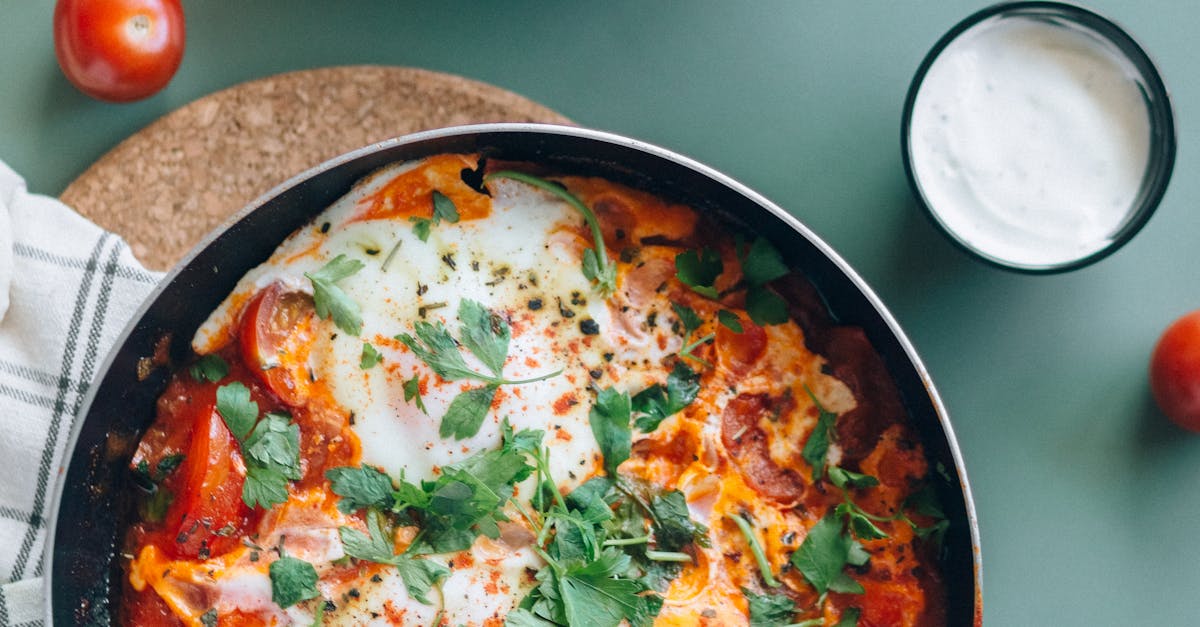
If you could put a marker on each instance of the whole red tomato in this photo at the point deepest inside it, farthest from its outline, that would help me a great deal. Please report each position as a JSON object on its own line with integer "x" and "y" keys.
{"x": 118, "y": 50}
{"x": 1175, "y": 371}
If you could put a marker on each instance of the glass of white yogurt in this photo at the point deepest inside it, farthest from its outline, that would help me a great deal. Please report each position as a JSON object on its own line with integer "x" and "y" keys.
{"x": 1038, "y": 136}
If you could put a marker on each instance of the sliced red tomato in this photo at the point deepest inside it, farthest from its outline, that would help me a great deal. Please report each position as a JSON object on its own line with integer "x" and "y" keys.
{"x": 275, "y": 335}
{"x": 207, "y": 515}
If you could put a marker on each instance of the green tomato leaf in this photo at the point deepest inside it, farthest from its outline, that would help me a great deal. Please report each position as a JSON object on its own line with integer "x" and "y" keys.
{"x": 329, "y": 299}
{"x": 360, "y": 487}
{"x": 211, "y": 368}
{"x": 485, "y": 334}
{"x": 699, "y": 270}
{"x": 609, "y": 418}
{"x": 466, "y": 412}
{"x": 236, "y": 409}
{"x": 292, "y": 581}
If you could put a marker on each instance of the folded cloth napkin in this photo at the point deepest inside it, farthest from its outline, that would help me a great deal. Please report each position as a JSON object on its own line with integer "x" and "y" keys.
{"x": 67, "y": 289}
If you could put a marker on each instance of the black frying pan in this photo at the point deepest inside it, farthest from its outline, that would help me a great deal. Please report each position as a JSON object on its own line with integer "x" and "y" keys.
{"x": 92, "y": 503}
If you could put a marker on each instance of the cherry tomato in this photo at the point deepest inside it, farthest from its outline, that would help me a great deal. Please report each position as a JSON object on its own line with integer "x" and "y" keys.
{"x": 275, "y": 335}
{"x": 208, "y": 509}
{"x": 1175, "y": 372}
{"x": 119, "y": 50}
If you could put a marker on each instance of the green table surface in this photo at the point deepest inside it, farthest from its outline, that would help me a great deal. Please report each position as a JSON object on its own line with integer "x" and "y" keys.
{"x": 1086, "y": 495}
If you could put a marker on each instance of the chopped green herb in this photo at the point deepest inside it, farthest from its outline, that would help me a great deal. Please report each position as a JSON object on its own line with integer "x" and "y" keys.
{"x": 699, "y": 270}
{"x": 849, "y": 617}
{"x": 211, "y": 368}
{"x": 419, "y": 575}
{"x": 466, "y": 412}
{"x": 609, "y": 419}
{"x": 687, "y": 317}
{"x": 370, "y": 357}
{"x": 485, "y": 334}
{"x": 730, "y": 320}
{"x": 360, "y": 487}
{"x": 329, "y": 299}
{"x": 769, "y": 610}
{"x": 816, "y": 448}
{"x": 823, "y": 556}
{"x": 765, "y": 307}
{"x": 236, "y": 408}
{"x": 209, "y": 618}
{"x": 292, "y": 581}
{"x": 596, "y": 266}
{"x": 764, "y": 566}
{"x": 762, "y": 263}
{"x": 412, "y": 390}
{"x": 657, "y": 402}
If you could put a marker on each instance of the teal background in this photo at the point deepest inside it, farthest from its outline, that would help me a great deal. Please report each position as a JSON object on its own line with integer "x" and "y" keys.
{"x": 1088, "y": 499}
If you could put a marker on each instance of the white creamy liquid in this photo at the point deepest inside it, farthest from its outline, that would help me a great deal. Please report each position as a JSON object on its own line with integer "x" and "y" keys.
{"x": 1030, "y": 140}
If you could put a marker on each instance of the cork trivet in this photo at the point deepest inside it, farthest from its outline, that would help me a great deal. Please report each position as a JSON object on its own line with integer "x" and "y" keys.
{"x": 167, "y": 185}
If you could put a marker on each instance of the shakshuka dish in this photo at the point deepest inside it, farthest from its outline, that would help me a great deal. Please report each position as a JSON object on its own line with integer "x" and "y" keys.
{"x": 482, "y": 393}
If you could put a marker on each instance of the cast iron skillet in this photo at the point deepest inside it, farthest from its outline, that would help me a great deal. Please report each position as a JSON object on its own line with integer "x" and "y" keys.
{"x": 91, "y": 506}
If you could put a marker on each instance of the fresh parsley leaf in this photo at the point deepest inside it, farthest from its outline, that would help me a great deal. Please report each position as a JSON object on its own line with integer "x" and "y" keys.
{"x": 609, "y": 418}
{"x": 594, "y": 594}
{"x": 421, "y": 227}
{"x": 154, "y": 508}
{"x": 485, "y": 334}
{"x": 765, "y": 307}
{"x": 419, "y": 575}
{"x": 824, "y": 554}
{"x": 522, "y": 617}
{"x": 862, "y": 526}
{"x": 699, "y": 270}
{"x": 412, "y": 390}
{"x": 762, "y": 263}
{"x": 730, "y": 320}
{"x": 596, "y": 266}
{"x": 236, "y": 408}
{"x": 656, "y": 403}
{"x": 370, "y": 357}
{"x": 272, "y": 456}
{"x": 434, "y": 346}
{"x": 816, "y": 448}
{"x": 264, "y": 487}
{"x": 769, "y": 610}
{"x": 687, "y": 317}
{"x": 923, "y": 501}
{"x": 364, "y": 486}
{"x": 275, "y": 443}
{"x": 209, "y": 618}
{"x": 329, "y": 299}
{"x": 210, "y": 367}
{"x": 443, "y": 208}
{"x": 466, "y": 412}
{"x": 843, "y": 478}
{"x": 849, "y": 617}
{"x": 292, "y": 581}
{"x": 673, "y": 526}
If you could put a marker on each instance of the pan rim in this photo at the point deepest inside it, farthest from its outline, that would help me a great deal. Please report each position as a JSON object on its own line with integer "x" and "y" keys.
{"x": 586, "y": 134}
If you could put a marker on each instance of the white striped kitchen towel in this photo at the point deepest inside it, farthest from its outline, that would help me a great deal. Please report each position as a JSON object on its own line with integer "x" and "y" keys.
{"x": 67, "y": 288}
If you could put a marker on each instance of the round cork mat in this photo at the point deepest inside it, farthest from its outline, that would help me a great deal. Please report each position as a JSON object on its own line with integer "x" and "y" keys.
{"x": 167, "y": 185}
